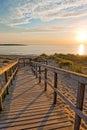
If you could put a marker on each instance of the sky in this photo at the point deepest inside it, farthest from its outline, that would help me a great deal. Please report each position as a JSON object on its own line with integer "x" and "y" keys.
{"x": 42, "y": 21}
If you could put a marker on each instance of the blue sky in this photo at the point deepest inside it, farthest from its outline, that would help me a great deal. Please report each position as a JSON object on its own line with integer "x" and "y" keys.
{"x": 38, "y": 20}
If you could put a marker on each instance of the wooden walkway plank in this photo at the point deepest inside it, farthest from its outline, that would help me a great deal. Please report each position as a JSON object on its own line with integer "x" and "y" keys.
{"x": 28, "y": 107}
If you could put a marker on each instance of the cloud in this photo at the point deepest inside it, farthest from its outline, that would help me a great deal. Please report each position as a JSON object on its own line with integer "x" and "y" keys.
{"x": 18, "y": 12}
{"x": 45, "y": 29}
{"x": 19, "y": 22}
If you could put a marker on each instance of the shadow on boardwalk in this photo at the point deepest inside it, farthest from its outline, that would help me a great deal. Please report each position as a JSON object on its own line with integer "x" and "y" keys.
{"x": 27, "y": 106}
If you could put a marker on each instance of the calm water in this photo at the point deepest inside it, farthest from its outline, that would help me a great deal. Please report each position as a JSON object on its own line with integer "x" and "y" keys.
{"x": 48, "y": 49}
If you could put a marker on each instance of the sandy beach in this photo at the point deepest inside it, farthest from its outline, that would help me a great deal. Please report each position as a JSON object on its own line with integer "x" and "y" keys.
{"x": 67, "y": 86}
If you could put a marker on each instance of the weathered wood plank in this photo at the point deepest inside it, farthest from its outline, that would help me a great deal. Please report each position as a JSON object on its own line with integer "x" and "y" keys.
{"x": 31, "y": 109}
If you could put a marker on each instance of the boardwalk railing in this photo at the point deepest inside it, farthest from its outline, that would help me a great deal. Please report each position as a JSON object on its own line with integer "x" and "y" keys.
{"x": 24, "y": 61}
{"x": 38, "y": 68}
{"x": 9, "y": 73}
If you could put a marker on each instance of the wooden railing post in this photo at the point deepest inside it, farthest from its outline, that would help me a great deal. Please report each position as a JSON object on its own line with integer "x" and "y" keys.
{"x": 17, "y": 68}
{"x": 11, "y": 74}
{"x": 45, "y": 80}
{"x": 36, "y": 70}
{"x": 31, "y": 66}
{"x": 6, "y": 80}
{"x": 55, "y": 86}
{"x": 30, "y": 61}
{"x": 24, "y": 62}
{"x": 13, "y": 69}
{"x": 80, "y": 99}
{"x": 1, "y": 106}
{"x": 6, "y": 76}
{"x": 39, "y": 74}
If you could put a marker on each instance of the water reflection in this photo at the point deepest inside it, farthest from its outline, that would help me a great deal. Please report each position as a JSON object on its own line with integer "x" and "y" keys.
{"x": 37, "y": 49}
{"x": 81, "y": 49}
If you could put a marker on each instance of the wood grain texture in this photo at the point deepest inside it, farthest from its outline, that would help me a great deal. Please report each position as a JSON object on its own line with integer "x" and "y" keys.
{"x": 28, "y": 107}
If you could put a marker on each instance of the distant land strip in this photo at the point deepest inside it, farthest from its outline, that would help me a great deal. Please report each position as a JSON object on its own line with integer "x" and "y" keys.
{"x": 12, "y": 44}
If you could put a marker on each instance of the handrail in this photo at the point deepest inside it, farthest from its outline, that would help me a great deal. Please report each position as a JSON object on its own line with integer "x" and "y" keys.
{"x": 5, "y": 68}
{"x": 8, "y": 83}
{"x": 36, "y": 68}
{"x": 82, "y": 80}
{"x": 10, "y": 72}
{"x": 74, "y": 75}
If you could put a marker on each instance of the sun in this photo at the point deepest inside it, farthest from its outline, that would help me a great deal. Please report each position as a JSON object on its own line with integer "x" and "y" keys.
{"x": 82, "y": 36}
{"x": 81, "y": 49}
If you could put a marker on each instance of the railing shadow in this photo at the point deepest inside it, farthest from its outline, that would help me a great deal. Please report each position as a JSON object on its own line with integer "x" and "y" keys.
{"x": 25, "y": 82}
{"x": 45, "y": 119}
{"x": 25, "y": 91}
{"x": 22, "y": 111}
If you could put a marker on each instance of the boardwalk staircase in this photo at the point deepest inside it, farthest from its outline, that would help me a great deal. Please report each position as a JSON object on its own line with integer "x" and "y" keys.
{"x": 28, "y": 105}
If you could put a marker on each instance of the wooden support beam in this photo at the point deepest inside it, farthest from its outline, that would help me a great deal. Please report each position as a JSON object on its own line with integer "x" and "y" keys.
{"x": 1, "y": 106}
{"x": 55, "y": 86}
{"x": 6, "y": 80}
{"x": 34, "y": 68}
{"x": 36, "y": 71}
{"x": 30, "y": 61}
{"x": 13, "y": 69}
{"x": 80, "y": 100}
{"x": 7, "y": 90}
{"x": 6, "y": 76}
{"x": 10, "y": 75}
{"x": 39, "y": 74}
{"x": 45, "y": 80}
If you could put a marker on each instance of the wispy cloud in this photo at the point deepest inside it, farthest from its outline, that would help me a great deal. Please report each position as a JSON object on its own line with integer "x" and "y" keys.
{"x": 44, "y": 29}
{"x": 23, "y": 11}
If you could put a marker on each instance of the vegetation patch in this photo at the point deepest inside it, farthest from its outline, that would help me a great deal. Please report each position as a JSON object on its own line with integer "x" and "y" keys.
{"x": 70, "y": 62}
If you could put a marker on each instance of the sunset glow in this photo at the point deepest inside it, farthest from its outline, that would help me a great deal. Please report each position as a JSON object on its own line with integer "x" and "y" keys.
{"x": 81, "y": 49}
{"x": 82, "y": 36}
{"x": 44, "y": 21}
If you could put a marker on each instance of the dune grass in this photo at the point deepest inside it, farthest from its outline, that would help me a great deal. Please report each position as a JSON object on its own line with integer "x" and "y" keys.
{"x": 71, "y": 62}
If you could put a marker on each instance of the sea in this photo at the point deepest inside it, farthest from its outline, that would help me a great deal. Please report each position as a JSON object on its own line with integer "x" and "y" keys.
{"x": 37, "y": 49}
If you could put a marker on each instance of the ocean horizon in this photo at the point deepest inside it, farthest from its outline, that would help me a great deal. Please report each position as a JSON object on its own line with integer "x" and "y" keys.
{"x": 37, "y": 49}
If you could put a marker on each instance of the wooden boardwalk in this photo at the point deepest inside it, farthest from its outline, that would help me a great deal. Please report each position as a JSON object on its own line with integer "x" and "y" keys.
{"x": 28, "y": 107}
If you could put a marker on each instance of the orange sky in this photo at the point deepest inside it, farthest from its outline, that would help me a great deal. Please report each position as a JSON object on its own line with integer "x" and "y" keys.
{"x": 51, "y": 38}
{"x": 45, "y": 21}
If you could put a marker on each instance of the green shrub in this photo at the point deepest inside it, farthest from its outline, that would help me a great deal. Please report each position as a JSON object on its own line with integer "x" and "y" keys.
{"x": 54, "y": 57}
{"x": 41, "y": 57}
{"x": 65, "y": 63}
{"x": 69, "y": 61}
{"x": 77, "y": 68}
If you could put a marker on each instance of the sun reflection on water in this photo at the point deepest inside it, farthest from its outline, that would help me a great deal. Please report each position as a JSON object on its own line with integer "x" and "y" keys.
{"x": 81, "y": 49}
